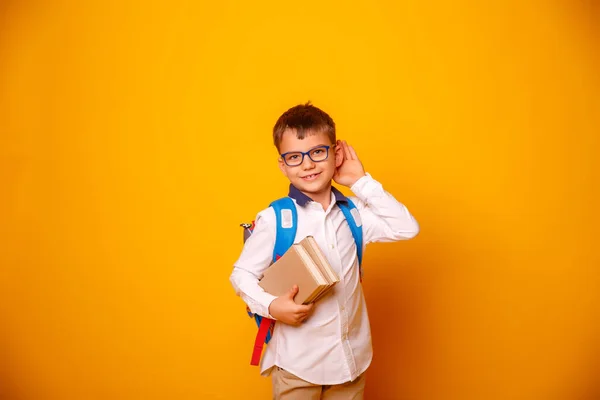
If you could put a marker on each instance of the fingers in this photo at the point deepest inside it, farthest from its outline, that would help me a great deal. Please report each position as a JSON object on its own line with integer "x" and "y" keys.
{"x": 305, "y": 308}
{"x": 347, "y": 153}
{"x": 353, "y": 153}
{"x": 293, "y": 292}
{"x": 302, "y": 318}
{"x": 298, "y": 319}
{"x": 303, "y": 312}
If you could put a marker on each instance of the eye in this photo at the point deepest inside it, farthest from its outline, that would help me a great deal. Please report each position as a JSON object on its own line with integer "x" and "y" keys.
{"x": 293, "y": 157}
{"x": 318, "y": 151}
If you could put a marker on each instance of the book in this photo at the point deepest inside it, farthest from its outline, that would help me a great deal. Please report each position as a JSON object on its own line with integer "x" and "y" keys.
{"x": 304, "y": 265}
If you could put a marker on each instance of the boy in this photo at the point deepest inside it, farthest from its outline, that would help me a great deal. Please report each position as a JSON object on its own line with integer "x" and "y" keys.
{"x": 322, "y": 350}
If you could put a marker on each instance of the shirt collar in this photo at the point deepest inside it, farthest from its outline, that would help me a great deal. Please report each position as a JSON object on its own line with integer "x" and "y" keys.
{"x": 303, "y": 199}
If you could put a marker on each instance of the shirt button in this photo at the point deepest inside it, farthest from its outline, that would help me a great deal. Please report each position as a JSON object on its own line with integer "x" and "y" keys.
{"x": 332, "y": 246}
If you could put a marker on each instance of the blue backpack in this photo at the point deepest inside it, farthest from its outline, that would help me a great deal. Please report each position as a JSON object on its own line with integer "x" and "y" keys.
{"x": 284, "y": 240}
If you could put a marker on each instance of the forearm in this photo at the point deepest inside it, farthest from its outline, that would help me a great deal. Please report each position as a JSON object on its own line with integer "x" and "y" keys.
{"x": 391, "y": 219}
{"x": 246, "y": 286}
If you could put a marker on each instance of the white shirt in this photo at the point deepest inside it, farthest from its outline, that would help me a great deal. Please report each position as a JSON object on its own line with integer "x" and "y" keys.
{"x": 334, "y": 345}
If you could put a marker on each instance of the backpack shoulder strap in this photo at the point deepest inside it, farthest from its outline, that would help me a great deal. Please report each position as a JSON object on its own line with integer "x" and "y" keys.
{"x": 353, "y": 218}
{"x": 287, "y": 224}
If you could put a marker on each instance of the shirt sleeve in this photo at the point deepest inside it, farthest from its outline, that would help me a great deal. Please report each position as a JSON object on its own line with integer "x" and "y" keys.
{"x": 384, "y": 218}
{"x": 255, "y": 258}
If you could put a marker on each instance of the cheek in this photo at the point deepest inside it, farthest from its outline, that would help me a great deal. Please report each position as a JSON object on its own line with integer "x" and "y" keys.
{"x": 283, "y": 169}
{"x": 292, "y": 173}
{"x": 332, "y": 163}
{"x": 329, "y": 168}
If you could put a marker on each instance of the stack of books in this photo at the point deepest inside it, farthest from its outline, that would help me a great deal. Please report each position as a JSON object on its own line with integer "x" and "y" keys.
{"x": 304, "y": 265}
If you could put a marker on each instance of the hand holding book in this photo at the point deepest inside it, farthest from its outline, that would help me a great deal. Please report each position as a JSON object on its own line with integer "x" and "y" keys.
{"x": 306, "y": 270}
{"x": 285, "y": 309}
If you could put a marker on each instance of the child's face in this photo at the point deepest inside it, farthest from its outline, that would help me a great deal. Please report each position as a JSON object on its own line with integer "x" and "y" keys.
{"x": 310, "y": 177}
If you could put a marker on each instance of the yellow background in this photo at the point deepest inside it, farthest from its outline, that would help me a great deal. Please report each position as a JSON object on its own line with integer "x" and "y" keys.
{"x": 135, "y": 137}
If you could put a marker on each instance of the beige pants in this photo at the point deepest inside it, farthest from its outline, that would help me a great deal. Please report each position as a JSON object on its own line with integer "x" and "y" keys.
{"x": 289, "y": 387}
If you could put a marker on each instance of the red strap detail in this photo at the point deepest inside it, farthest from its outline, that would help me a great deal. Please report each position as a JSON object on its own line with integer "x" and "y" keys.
{"x": 265, "y": 325}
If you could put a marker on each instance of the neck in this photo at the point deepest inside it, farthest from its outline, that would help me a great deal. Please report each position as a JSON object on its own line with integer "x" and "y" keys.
{"x": 323, "y": 197}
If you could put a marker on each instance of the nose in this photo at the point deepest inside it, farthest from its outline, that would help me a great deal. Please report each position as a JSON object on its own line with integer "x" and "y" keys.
{"x": 307, "y": 163}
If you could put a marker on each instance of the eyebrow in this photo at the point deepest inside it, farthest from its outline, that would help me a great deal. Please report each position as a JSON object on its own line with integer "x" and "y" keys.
{"x": 312, "y": 148}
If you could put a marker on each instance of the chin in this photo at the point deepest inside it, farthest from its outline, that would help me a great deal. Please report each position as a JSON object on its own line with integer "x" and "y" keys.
{"x": 312, "y": 187}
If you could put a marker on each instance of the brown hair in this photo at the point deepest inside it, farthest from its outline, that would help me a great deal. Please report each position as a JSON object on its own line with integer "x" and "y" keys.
{"x": 304, "y": 119}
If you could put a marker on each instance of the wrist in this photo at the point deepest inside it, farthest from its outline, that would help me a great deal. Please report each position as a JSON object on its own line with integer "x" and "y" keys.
{"x": 271, "y": 309}
{"x": 356, "y": 179}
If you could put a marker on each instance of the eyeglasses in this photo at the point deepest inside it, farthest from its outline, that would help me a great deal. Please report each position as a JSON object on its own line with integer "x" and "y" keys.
{"x": 317, "y": 154}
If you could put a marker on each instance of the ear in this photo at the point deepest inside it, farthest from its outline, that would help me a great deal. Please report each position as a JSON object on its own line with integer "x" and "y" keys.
{"x": 339, "y": 154}
{"x": 282, "y": 166}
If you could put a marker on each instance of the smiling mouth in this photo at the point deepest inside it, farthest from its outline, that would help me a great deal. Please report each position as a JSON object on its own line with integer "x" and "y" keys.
{"x": 311, "y": 177}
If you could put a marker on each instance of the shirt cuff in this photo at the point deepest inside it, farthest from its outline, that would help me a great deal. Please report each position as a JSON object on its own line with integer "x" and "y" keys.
{"x": 365, "y": 187}
{"x": 265, "y": 301}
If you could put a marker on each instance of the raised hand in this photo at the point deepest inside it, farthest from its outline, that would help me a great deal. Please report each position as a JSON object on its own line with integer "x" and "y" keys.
{"x": 351, "y": 168}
